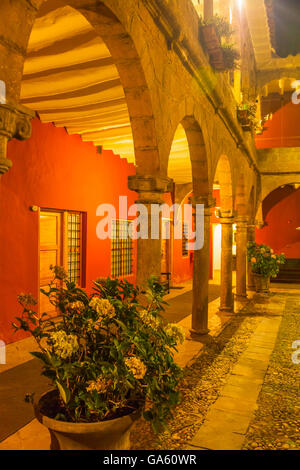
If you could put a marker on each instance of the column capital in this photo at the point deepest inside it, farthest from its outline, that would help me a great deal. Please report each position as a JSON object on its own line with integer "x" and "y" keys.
{"x": 150, "y": 183}
{"x": 14, "y": 123}
{"x": 208, "y": 201}
{"x": 241, "y": 222}
{"x": 229, "y": 220}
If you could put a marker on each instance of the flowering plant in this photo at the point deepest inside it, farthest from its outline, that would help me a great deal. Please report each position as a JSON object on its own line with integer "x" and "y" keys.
{"x": 263, "y": 259}
{"x": 106, "y": 355}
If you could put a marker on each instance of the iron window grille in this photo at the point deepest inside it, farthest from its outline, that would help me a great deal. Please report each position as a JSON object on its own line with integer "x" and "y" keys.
{"x": 185, "y": 239}
{"x": 74, "y": 246}
{"x": 121, "y": 248}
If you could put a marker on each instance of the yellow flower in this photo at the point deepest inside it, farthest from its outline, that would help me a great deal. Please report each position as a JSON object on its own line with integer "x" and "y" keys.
{"x": 100, "y": 385}
{"x": 64, "y": 345}
{"x": 149, "y": 319}
{"x": 103, "y": 307}
{"x": 27, "y": 299}
{"x": 176, "y": 332}
{"x": 78, "y": 305}
{"x": 59, "y": 272}
{"x": 136, "y": 366}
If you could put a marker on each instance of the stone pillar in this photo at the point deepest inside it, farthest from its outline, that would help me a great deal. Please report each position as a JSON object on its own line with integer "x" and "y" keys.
{"x": 150, "y": 190}
{"x": 201, "y": 273}
{"x": 208, "y": 9}
{"x": 16, "y": 20}
{"x": 241, "y": 257}
{"x": 226, "y": 301}
{"x": 14, "y": 123}
{"x": 250, "y": 238}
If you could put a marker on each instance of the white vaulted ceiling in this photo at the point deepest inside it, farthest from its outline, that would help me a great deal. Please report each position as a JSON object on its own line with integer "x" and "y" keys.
{"x": 70, "y": 79}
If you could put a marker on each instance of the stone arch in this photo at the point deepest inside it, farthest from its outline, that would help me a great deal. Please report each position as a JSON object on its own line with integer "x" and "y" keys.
{"x": 198, "y": 156}
{"x": 276, "y": 74}
{"x": 223, "y": 177}
{"x": 272, "y": 182}
{"x": 105, "y": 19}
{"x": 268, "y": 188}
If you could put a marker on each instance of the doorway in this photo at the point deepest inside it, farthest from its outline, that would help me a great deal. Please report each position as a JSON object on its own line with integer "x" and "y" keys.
{"x": 51, "y": 253}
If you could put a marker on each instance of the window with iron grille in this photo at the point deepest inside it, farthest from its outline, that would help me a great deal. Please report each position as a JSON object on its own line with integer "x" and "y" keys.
{"x": 74, "y": 246}
{"x": 185, "y": 239}
{"x": 121, "y": 249}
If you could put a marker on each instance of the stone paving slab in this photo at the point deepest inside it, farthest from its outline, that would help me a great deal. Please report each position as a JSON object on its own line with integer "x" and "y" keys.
{"x": 229, "y": 417}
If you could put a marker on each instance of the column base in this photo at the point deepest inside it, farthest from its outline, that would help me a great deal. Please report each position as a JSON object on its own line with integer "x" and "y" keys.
{"x": 251, "y": 288}
{"x": 199, "y": 332}
{"x": 241, "y": 297}
{"x": 226, "y": 309}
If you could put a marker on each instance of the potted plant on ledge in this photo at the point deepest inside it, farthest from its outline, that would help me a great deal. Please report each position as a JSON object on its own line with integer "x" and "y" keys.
{"x": 264, "y": 264}
{"x": 109, "y": 359}
{"x": 216, "y": 35}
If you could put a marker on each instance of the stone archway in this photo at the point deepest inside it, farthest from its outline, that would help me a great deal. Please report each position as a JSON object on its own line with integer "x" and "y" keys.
{"x": 197, "y": 158}
{"x": 109, "y": 27}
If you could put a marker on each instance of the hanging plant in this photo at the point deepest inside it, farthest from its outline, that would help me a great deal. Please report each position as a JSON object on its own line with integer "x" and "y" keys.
{"x": 216, "y": 34}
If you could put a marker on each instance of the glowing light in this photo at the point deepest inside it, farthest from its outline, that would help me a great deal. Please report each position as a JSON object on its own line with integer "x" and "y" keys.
{"x": 240, "y": 4}
{"x": 230, "y": 15}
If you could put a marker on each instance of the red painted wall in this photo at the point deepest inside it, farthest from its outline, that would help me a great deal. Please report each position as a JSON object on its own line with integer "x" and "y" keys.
{"x": 52, "y": 170}
{"x": 282, "y": 217}
{"x": 58, "y": 171}
{"x": 182, "y": 265}
{"x": 283, "y": 130}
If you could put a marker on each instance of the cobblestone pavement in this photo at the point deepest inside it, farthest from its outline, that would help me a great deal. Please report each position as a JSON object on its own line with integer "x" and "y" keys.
{"x": 276, "y": 424}
{"x": 232, "y": 383}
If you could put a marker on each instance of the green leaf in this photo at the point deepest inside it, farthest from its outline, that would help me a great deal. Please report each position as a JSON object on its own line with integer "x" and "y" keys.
{"x": 64, "y": 392}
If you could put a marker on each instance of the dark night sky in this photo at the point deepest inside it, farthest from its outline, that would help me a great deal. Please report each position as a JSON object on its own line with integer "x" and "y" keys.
{"x": 287, "y": 26}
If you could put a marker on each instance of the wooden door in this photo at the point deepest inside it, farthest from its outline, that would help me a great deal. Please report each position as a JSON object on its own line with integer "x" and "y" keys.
{"x": 50, "y": 254}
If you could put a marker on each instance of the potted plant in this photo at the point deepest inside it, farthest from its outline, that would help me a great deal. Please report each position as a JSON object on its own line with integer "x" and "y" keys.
{"x": 216, "y": 34}
{"x": 108, "y": 358}
{"x": 264, "y": 264}
{"x": 246, "y": 114}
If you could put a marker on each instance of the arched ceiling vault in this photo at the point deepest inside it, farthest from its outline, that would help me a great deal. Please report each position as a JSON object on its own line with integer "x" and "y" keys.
{"x": 70, "y": 79}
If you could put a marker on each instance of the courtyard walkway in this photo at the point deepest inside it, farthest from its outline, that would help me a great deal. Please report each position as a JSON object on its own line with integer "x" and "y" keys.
{"x": 240, "y": 388}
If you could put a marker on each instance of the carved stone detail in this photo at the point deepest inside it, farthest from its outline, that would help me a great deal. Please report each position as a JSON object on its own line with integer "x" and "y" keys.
{"x": 145, "y": 183}
{"x": 14, "y": 123}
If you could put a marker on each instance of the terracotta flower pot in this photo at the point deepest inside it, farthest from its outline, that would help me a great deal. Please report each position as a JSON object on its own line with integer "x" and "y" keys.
{"x": 112, "y": 434}
{"x": 262, "y": 283}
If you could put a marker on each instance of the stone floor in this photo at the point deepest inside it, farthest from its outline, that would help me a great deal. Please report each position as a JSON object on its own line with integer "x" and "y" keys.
{"x": 227, "y": 419}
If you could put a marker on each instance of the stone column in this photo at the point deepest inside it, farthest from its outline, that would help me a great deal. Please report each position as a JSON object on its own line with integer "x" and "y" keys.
{"x": 226, "y": 301}
{"x": 241, "y": 257}
{"x": 208, "y": 9}
{"x": 250, "y": 238}
{"x": 150, "y": 190}
{"x": 14, "y": 123}
{"x": 201, "y": 273}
